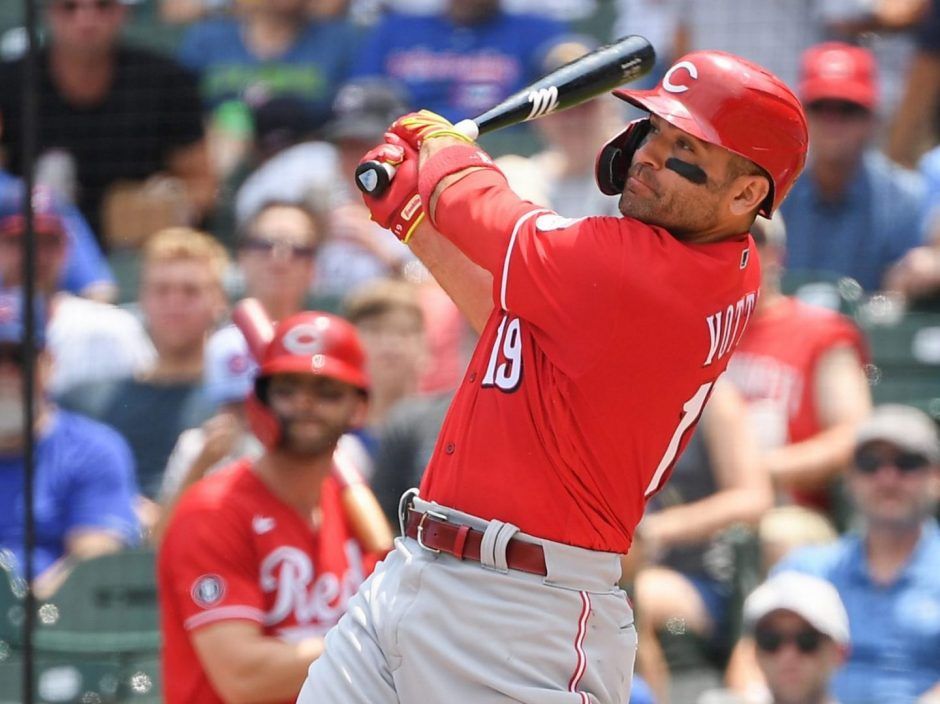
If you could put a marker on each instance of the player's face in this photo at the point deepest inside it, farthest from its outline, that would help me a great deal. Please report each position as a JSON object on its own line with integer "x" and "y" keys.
{"x": 181, "y": 301}
{"x": 657, "y": 194}
{"x": 315, "y": 411}
{"x": 277, "y": 256}
{"x": 795, "y": 658}
{"x": 893, "y": 488}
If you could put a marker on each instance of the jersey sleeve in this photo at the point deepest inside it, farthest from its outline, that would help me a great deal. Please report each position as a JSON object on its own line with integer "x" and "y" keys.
{"x": 210, "y": 568}
{"x": 562, "y": 276}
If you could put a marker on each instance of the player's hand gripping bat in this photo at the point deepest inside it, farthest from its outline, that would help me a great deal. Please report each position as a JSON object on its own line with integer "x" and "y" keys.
{"x": 580, "y": 80}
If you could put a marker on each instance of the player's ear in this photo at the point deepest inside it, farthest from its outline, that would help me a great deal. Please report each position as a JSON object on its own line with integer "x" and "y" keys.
{"x": 360, "y": 412}
{"x": 748, "y": 191}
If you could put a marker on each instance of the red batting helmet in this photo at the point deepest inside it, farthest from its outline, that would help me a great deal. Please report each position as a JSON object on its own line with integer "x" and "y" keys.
{"x": 733, "y": 103}
{"x": 307, "y": 343}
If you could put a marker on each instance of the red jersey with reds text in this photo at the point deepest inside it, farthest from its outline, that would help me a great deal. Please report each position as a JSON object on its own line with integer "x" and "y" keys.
{"x": 234, "y": 551}
{"x": 592, "y": 371}
{"x": 775, "y": 369}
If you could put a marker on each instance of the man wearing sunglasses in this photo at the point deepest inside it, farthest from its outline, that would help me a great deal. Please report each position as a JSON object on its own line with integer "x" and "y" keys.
{"x": 852, "y": 212}
{"x": 801, "y": 633}
{"x": 888, "y": 574}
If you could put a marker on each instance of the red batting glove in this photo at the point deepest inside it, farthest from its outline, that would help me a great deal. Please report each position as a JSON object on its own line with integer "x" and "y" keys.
{"x": 416, "y": 127}
{"x": 399, "y": 209}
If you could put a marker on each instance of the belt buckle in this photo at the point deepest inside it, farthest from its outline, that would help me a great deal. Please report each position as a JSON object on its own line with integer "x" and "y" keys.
{"x": 420, "y": 533}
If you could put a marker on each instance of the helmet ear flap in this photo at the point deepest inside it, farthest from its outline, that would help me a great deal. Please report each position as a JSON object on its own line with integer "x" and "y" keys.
{"x": 615, "y": 157}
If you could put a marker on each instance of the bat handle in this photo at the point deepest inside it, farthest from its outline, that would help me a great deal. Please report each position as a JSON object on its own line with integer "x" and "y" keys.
{"x": 374, "y": 177}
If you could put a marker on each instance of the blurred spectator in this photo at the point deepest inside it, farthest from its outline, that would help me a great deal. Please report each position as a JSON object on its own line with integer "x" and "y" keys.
{"x": 261, "y": 558}
{"x": 277, "y": 252}
{"x": 462, "y": 60}
{"x": 785, "y": 528}
{"x": 563, "y": 175}
{"x": 60, "y": 253}
{"x": 406, "y": 444}
{"x": 915, "y": 277}
{"x": 800, "y": 370}
{"x": 801, "y": 633}
{"x": 268, "y": 49}
{"x": 887, "y": 574}
{"x": 181, "y": 300}
{"x": 782, "y": 530}
{"x": 320, "y": 174}
{"x": 185, "y": 11}
{"x": 224, "y": 438}
{"x": 84, "y": 270}
{"x": 111, "y": 118}
{"x": 687, "y": 564}
{"x": 914, "y": 127}
{"x": 88, "y": 340}
{"x": 852, "y": 212}
{"x": 84, "y": 488}
{"x": 390, "y": 322}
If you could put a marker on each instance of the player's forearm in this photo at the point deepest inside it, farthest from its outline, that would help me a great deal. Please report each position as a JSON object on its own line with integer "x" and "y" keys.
{"x": 700, "y": 520}
{"x": 475, "y": 209}
{"x": 266, "y": 669}
{"x": 907, "y": 134}
{"x": 468, "y": 285}
{"x": 813, "y": 462}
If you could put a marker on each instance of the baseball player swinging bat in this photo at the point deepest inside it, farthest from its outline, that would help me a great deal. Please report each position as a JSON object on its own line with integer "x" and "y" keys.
{"x": 580, "y": 80}
{"x": 359, "y": 503}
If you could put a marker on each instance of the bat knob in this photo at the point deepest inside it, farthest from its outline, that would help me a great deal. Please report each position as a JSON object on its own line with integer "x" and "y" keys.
{"x": 374, "y": 177}
{"x": 468, "y": 128}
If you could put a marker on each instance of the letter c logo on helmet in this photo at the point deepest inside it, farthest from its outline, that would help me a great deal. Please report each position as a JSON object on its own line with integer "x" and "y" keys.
{"x": 314, "y": 343}
{"x": 736, "y": 105}
{"x": 667, "y": 79}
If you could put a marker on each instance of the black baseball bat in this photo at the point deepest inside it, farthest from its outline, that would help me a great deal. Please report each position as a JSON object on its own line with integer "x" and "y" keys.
{"x": 597, "y": 72}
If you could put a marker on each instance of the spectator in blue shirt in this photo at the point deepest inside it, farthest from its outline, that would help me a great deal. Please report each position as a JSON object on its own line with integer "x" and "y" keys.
{"x": 462, "y": 61}
{"x": 63, "y": 232}
{"x": 84, "y": 474}
{"x": 888, "y": 575}
{"x": 270, "y": 49}
{"x": 852, "y": 212}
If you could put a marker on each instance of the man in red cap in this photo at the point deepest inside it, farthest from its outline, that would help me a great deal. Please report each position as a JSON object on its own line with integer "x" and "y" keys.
{"x": 601, "y": 340}
{"x": 853, "y": 212}
{"x": 260, "y": 558}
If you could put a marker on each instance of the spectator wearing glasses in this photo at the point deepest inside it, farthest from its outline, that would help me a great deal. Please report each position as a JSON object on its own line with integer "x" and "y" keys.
{"x": 277, "y": 255}
{"x": 117, "y": 115}
{"x": 801, "y": 633}
{"x": 852, "y": 212}
{"x": 888, "y": 574}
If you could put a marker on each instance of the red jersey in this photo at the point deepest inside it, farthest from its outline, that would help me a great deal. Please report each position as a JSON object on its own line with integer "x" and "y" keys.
{"x": 775, "y": 367}
{"x": 592, "y": 371}
{"x": 233, "y": 550}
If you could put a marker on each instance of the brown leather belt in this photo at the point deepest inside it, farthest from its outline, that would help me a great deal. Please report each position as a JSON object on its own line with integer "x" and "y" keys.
{"x": 463, "y": 542}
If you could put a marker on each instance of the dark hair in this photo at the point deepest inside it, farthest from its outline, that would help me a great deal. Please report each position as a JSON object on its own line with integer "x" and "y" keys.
{"x": 315, "y": 218}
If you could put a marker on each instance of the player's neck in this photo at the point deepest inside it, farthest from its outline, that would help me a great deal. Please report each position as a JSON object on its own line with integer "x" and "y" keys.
{"x": 295, "y": 480}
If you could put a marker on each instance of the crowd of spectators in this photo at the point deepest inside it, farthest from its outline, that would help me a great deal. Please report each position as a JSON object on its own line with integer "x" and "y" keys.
{"x": 171, "y": 185}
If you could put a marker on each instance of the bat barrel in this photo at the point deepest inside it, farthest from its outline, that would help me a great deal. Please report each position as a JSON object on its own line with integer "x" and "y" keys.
{"x": 602, "y": 70}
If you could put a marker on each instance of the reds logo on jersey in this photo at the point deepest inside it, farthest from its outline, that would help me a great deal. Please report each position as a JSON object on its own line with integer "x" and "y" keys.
{"x": 302, "y": 598}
